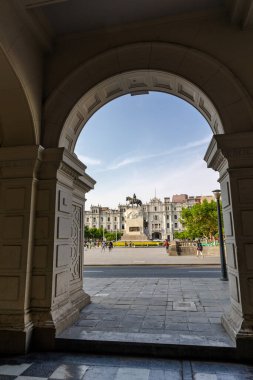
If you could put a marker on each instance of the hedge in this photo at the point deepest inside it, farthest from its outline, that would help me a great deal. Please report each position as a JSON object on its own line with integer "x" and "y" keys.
{"x": 138, "y": 244}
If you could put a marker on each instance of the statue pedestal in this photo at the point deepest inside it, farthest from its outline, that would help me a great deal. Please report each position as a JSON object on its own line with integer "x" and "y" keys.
{"x": 134, "y": 225}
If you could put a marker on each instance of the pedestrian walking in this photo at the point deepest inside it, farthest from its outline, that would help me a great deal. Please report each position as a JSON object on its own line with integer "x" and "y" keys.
{"x": 110, "y": 246}
{"x": 103, "y": 246}
{"x": 167, "y": 245}
{"x": 199, "y": 249}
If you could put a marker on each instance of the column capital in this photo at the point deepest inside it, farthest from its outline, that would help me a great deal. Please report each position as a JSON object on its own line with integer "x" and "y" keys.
{"x": 230, "y": 150}
{"x": 57, "y": 161}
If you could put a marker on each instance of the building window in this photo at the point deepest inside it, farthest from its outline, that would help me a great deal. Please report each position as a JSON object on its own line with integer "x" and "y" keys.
{"x": 175, "y": 216}
{"x": 168, "y": 225}
{"x": 155, "y": 208}
{"x": 115, "y": 227}
{"x": 87, "y": 219}
{"x": 94, "y": 220}
{"x": 108, "y": 227}
{"x": 122, "y": 218}
{"x": 115, "y": 218}
{"x": 168, "y": 217}
{"x": 94, "y": 226}
{"x": 156, "y": 217}
{"x": 102, "y": 219}
{"x": 175, "y": 225}
{"x": 108, "y": 219}
{"x": 122, "y": 227}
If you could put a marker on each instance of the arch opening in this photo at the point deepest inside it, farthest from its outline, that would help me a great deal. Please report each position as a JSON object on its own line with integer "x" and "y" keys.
{"x": 156, "y": 235}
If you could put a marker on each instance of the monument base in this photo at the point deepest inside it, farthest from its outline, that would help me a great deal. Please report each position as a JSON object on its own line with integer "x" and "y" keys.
{"x": 139, "y": 237}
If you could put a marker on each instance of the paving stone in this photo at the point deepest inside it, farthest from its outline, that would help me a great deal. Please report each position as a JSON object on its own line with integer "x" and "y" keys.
{"x": 176, "y": 326}
{"x": 66, "y": 372}
{"x": 132, "y": 373}
{"x": 101, "y": 373}
{"x": 14, "y": 370}
{"x": 199, "y": 326}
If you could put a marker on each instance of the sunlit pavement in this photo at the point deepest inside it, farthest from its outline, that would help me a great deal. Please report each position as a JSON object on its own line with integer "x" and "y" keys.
{"x": 143, "y": 256}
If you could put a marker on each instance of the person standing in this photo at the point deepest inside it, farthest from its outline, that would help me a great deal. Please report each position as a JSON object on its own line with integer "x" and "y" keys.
{"x": 199, "y": 249}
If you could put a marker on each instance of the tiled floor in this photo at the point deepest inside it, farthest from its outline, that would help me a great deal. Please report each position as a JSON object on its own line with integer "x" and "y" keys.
{"x": 183, "y": 310}
{"x": 87, "y": 367}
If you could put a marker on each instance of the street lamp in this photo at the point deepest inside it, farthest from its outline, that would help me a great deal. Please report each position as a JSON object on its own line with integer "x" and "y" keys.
{"x": 224, "y": 274}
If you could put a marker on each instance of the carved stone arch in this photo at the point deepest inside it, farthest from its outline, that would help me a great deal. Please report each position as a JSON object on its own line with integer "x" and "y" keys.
{"x": 193, "y": 75}
{"x": 135, "y": 82}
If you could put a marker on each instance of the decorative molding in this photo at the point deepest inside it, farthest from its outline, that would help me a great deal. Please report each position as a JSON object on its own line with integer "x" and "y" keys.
{"x": 133, "y": 82}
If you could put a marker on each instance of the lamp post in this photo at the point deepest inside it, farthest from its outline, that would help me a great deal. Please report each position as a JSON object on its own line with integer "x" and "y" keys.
{"x": 224, "y": 274}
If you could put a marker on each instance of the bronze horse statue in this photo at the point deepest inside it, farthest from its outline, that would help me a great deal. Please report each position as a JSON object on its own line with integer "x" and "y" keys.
{"x": 134, "y": 200}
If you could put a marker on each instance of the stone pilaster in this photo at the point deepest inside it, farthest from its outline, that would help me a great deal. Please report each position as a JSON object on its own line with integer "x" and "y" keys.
{"x": 232, "y": 156}
{"x": 18, "y": 168}
{"x": 57, "y": 279}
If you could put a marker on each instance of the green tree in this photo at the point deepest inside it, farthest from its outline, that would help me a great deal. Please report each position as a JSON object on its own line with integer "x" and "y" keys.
{"x": 98, "y": 234}
{"x": 201, "y": 220}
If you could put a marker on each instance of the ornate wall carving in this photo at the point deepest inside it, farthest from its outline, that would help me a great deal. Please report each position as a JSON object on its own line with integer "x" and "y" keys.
{"x": 76, "y": 242}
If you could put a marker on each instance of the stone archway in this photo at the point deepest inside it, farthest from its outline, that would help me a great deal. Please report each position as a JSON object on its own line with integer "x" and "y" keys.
{"x": 209, "y": 81}
{"x": 217, "y": 94}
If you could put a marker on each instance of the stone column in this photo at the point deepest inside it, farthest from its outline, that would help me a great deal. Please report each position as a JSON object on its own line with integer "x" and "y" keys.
{"x": 18, "y": 168}
{"x": 57, "y": 280}
{"x": 232, "y": 156}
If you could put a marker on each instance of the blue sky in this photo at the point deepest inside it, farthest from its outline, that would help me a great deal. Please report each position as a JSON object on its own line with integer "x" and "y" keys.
{"x": 146, "y": 143}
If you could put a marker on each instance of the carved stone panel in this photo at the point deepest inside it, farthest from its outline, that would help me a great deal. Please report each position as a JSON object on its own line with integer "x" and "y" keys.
{"x": 250, "y": 289}
{"x": 228, "y": 223}
{"x": 231, "y": 255}
{"x": 63, "y": 228}
{"x": 225, "y": 193}
{"x": 14, "y": 198}
{"x": 64, "y": 201}
{"x": 234, "y": 291}
{"x": 247, "y": 221}
{"x": 249, "y": 256}
{"x": 245, "y": 187}
{"x": 76, "y": 242}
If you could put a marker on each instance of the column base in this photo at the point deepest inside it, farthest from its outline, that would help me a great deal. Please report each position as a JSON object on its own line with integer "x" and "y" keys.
{"x": 241, "y": 331}
{"x": 16, "y": 341}
{"x": 43, "y": 337}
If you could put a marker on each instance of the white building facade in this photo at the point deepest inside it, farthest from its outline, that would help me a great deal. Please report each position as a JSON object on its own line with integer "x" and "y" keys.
{"x": 161, "y": 218}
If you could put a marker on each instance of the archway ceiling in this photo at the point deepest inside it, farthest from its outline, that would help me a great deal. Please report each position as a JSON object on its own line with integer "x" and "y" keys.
{"x": 71, "y": 16}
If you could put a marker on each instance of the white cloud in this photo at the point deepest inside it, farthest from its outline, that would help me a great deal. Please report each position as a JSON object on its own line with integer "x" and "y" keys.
{"x": 137, "y": 159}
{"x": 89, "y": 160}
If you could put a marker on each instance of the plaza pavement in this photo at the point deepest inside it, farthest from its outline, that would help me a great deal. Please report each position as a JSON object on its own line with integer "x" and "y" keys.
{"x": 144, "y": 256}
{"x": 154, "y": 314}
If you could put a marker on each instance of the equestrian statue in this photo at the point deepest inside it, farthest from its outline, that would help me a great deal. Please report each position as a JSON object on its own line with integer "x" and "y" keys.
{"x": 134, "y": 200}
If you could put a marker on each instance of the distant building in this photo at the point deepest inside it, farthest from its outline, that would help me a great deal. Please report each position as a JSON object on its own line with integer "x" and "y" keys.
{"x": 161, "y": 218}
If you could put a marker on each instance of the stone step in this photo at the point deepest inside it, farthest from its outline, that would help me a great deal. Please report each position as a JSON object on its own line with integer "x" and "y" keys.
{"x": 137, "y": 344}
